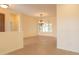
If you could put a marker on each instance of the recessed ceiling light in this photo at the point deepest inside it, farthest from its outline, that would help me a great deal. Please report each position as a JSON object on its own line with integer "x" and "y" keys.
{"x": 4, "y": 6}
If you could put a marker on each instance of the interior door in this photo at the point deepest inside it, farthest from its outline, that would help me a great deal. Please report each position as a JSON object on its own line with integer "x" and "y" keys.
{"x": 2, "y": 22}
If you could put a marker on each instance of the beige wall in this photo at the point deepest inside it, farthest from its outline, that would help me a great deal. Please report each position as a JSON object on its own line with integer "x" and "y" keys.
{"x": 14, "y": 22}
{"x": 68, "y": 27}
{"x": 52, "y": 20}
{"x": 9, "y": 40}
{"x": 29, "y": 25}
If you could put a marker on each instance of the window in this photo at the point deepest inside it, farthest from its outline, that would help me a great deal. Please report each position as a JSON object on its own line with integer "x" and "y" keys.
{"x": 46, "y": 27}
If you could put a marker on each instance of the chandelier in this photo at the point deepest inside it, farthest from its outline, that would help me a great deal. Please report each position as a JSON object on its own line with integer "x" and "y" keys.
{"x": 41, "y": 22}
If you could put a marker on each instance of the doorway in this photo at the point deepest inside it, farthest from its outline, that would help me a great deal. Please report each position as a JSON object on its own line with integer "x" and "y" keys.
{"x": 2, "y": 22}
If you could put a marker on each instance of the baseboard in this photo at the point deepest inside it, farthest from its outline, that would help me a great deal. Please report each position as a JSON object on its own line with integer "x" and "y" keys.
{"x": 68, "y": 50}
{"x": 39, "y": 36}
{"x": 30, "y": 37}
{"x": 50, "y": 35}
{"x": 5, "y": 53}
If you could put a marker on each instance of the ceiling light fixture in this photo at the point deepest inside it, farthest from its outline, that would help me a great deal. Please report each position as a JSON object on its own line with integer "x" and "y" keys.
{"x": 4, "y": 5}
{"x": 41, "y": 22}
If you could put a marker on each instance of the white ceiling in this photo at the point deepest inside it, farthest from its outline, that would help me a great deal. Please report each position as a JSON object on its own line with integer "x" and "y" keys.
{"x": 35, "y": 9}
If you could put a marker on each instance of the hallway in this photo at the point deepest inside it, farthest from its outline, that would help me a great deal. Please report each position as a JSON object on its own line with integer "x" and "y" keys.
{"x": 41, "y": 45}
